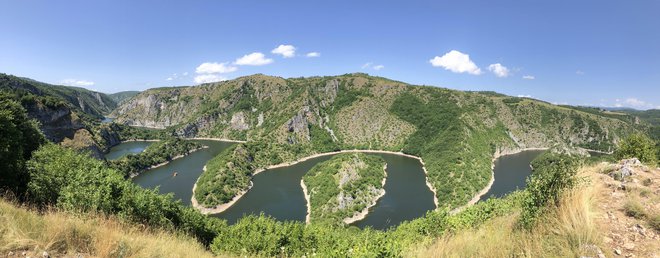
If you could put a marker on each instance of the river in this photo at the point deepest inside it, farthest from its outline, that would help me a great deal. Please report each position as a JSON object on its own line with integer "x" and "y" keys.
{"x": 277, "y": 192}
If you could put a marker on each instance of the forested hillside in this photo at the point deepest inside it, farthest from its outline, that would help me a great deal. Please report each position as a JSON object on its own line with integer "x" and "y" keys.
{"x": 67, "y": 115}
{"x": 456, "y": 133}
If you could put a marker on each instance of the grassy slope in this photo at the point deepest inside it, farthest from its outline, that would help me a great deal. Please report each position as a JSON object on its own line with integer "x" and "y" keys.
{"x": 64, "y": 234}
{"x": 323, "y": 184}
{"x": 455, "y": 132}
{"x": 581, "y": 225}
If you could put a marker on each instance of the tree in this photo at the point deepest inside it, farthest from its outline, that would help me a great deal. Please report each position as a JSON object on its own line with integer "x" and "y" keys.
{"x": 638, "y": 146}
{"x": 19, "y": 137}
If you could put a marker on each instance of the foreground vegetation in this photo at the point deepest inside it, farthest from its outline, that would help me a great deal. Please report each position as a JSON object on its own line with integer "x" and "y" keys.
{"x": 63, "y": 234}
{"x": 344, "y": 185}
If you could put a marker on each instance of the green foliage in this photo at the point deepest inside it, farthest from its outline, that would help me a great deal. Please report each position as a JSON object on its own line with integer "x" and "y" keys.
{"x": 157, "y": 153}
{"x": 139, "y": 133}
{"x": 322, "y": 140}
{"x": 56, "y": 95}
{"x": 553, "y": 174}
{"x": 226, "y": 175}
{"x": 264, "y": 236}
{"x": 322, "y": 182}
{"x": 76, "y": 182}
{"x": 121, "y": 96}
{"x": 19, "y": 137}
{"x": 638, "y": 146}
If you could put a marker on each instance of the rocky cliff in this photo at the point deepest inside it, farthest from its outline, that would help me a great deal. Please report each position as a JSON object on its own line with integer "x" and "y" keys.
{"x": 67, "y": 115}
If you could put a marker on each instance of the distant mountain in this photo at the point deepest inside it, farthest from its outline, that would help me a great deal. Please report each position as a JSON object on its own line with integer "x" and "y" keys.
{"x": 119, "y": 97}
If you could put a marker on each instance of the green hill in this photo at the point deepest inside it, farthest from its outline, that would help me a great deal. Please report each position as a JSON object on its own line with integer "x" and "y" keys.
{"x": 456, "y": 133}
{"x": 119, "y": 97}
{"x": 70, "y": 115}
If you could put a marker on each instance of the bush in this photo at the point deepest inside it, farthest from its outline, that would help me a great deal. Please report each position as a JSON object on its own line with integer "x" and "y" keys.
{"x": 19, "y": 137}
{"x": 638, "y": 146}
{"x": 634, "y": 209}
{"x": 75, "y": 182}
{"x": 553, "y": 174}
{"x": 654, "y": 222}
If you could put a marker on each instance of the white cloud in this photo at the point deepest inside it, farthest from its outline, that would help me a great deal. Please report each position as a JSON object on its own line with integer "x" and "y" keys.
{"x": 74, "y": 82}
{"x": 169, "y": 79}
{"x": 524, "y": 96}
{"x": 634, "y": 103}
{"x": 457, "y": 62}
{"x": 185, "y": 74}
{"x": 208, "y": 68}
{"x": 499, "y": 70}
{"x": 206, "y": 78}
{"x": 313, "y": 54}
{"x": 579, "y": 72}
{"x": 366, "y": 65}
{"x": 378, "y": 67}
{"x": 255, "y": 59}
{"x": 528, "y": 77}
{"x": 286, "y": 51}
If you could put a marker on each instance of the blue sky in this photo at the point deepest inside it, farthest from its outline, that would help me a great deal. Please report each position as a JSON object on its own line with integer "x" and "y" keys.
{"x": 602, "y": 53}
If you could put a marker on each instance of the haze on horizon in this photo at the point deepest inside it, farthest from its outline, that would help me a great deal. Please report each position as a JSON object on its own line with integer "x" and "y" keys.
{"x": 596, "y": 53}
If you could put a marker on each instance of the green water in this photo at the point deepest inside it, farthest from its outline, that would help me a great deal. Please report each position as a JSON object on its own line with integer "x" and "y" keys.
{"x": 126, "y": 148}
{"x": 187, "y": 168}
{"x": 277, "y": 192}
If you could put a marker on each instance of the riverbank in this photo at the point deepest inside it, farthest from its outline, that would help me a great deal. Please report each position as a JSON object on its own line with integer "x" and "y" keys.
{"x": 363, "y": 214}
{"x": 221, "y": 207}
{"x": 485, "y": 190}
{"x": 138, "y": 140}
{"x": 308, "y": 201}
{"x": 167, "y": 162}
{"x": 215, "y": 139}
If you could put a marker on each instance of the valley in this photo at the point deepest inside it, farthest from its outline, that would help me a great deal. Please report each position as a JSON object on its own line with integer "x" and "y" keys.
{"x": 241, "y": 150}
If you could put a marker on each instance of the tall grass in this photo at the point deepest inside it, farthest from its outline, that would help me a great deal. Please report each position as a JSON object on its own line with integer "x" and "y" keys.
{"x": 90, "y": 235}
{"x": 569, "y": 230}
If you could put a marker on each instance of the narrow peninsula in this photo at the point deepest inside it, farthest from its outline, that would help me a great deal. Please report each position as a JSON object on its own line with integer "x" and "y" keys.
{"x": 343, "y": 188}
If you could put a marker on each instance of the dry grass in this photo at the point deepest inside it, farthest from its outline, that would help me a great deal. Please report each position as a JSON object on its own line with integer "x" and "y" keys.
{"x": 63, "y": 234}
{"x": 568, "y": 231}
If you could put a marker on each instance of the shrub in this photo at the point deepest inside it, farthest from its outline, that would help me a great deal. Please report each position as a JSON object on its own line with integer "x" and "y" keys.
{"x": 634, "y": 209}
{"x": 638, "y": 146}
{"x": 553, "y": 175}
{"x": 647, "y": 182}
{"x": 654, "y": 221}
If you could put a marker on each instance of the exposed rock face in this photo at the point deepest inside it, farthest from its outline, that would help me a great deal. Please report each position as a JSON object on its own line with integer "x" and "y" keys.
{"x": 84, "y": 141}
{"x": 55, "y": 123}
{"x": 239, "y": 122}
{"x": 298, "y": 125}
{"x": 109, "y": 136}
{"x": 155, "y": 109}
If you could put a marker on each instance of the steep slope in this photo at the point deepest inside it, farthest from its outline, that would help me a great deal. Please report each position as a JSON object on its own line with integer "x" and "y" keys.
{"x": 65, "y": 114}
{"x": 121, "y": 96}
{"x": 456, "y": 133}
{"x": 95, "y": 104}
